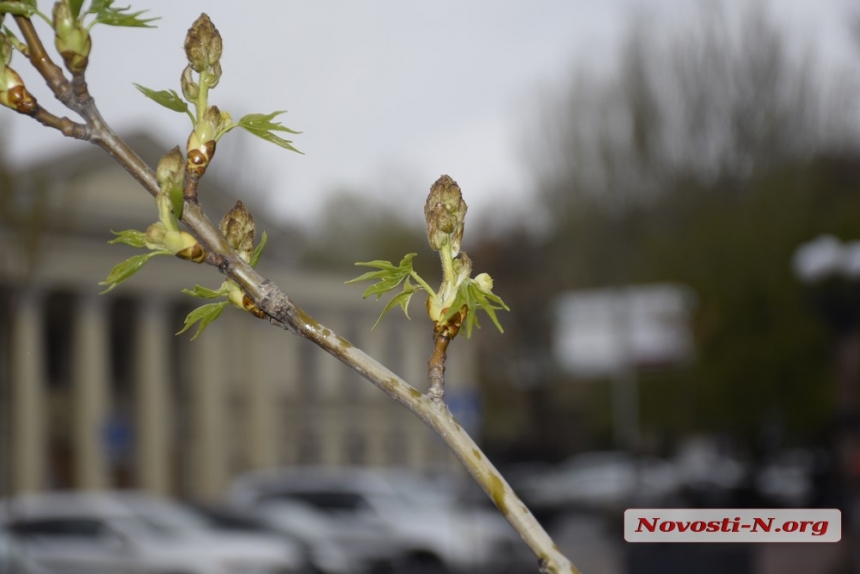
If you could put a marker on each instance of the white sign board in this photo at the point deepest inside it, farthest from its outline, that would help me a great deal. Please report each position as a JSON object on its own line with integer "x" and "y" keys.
{"x": 602, "y": 332}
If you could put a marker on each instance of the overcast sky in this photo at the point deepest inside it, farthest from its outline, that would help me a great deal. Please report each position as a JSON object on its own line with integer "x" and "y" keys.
{"x": 389, "y": 94}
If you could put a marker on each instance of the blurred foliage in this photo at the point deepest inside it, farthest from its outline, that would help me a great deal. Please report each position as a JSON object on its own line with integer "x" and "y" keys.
{"x": 23, "y": 218}
{"x": 707, "y": 159}
{"x": 354, "y": 227}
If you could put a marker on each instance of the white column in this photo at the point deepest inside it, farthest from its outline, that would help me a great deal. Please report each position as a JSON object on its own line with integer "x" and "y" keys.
{"x": 331, "y": 393}
{"x": 209, "y": 424}
{"x": 258, "y": 386}
{"x": 90, "y": 391}
{"x": 29, "y": 444}
{"x": 375, "y": 420}
{"x": 153, "y": 416}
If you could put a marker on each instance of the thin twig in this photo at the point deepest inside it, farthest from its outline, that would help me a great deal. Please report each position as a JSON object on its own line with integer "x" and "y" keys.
{"x": 53, "y": 74}
{"x": 436, "y": 367}
{"x": 65, "y": 126}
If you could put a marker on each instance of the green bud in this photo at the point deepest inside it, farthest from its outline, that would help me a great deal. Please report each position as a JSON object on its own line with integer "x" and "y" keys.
{"x": 180, "y": 243}
{"x": 155, "y": 236}
{"x": 462, "y": 268}
{"x": 201, "y": 142}
{"x": 190, "y": 88}
{"x": 445, "y": 212}
{"x": 238, "y": 228}
{"x": 72, "y": 40}
{"x": 203, "y": 45}
{"x": 13, "y": 94}
{"x": 484, "y": 282}
{"x": 170, "y": 173}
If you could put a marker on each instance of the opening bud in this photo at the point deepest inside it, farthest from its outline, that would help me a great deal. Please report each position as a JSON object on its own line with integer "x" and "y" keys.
{"x": 484, "y": 282}
{"x": 203, "y": 46}
{"x": 72, "y": 40}
{"x": 445, "y": 212}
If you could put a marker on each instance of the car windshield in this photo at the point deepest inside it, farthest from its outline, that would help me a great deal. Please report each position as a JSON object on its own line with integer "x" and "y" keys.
{"x": 167, "y": 520}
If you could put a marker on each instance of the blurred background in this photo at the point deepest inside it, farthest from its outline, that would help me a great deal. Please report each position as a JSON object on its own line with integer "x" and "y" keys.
{"x": 666, "y": 193}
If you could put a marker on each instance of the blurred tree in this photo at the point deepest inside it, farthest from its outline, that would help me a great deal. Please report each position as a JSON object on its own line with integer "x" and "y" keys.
{"x": 706, "y": 159}
{"x": 353, "y": 226}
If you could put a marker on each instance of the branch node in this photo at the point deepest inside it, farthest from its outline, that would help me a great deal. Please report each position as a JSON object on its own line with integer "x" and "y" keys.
{"x": 191, "y": 181}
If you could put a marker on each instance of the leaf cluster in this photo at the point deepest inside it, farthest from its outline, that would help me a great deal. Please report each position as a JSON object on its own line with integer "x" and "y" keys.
{"x": 204, "y": 315}
{"x": 103, "y": 12}
{"x": 471, "y": 295}
{"x": 261, "y": 125}
{"x": 389, "y": 277}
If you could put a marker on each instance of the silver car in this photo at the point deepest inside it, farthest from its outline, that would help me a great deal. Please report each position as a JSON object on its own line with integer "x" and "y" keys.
{"x": 394, "y": 514}
{"x": 134, "y": 533}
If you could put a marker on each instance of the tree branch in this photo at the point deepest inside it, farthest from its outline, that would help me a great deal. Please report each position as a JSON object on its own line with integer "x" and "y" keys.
{"x": 283, "y": 313}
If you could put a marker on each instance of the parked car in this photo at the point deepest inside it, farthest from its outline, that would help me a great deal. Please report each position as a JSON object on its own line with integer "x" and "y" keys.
{"x": 301, "y": 524}
{"x": 786, "y": 478}
{"x": 13, "y": 562}
{"x": 392, "y": 514}
{"x": 603, "y": 481}
{"x": 712, "y": 473}
{"x": 134, "y": 533}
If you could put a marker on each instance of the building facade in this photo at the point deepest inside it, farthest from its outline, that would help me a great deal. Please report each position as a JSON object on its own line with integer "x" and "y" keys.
{"x": 96, "y": 391}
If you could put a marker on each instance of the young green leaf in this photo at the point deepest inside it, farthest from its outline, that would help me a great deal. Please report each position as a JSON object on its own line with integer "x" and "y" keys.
{"x": 107, "y": 14}
{"x": 258, "y": 250}
{"x": 75, "y": 7}
{"x": 474, "y": 298}
{"x": 13, "y": 39}
{"x": 127, "y": 268}
{"x": 401, "y": 299}
{"x": 167, "y": 98}
{"x": 262, "y": 126}
{"x": 130, "y": 237}
{"x": 204, "y": 314}
{"x": 388, "y": 275}
{"x": 203, "y": 292}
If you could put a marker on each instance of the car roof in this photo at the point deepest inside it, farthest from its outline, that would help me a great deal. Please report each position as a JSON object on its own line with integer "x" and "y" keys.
{"x": 71, "y": 504}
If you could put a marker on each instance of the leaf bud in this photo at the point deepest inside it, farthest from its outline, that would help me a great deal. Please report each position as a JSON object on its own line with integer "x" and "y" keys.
{"x": 190, "y": 88}
{"x": 445, "y": 212}
{"x": 193, "y": 252}
{"x": 13, "y": 93}
{"x": 170, "y": 172}
{"x": 155, "y": 234}
{"x": 484, "y": 282}
{"x": 238, "y": 228}
{"x": 203, "y": 45}
{"x": 72, "y": 40}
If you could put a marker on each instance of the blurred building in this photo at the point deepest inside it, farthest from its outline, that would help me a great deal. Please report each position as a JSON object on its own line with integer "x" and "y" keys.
{"x": 97, "y": 391}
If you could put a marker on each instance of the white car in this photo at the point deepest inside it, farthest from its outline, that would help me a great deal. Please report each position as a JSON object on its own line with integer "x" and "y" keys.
{"x": 394, "y": 514}
{"x": 606, "y": 481}
{"x": 134, "y": 533}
